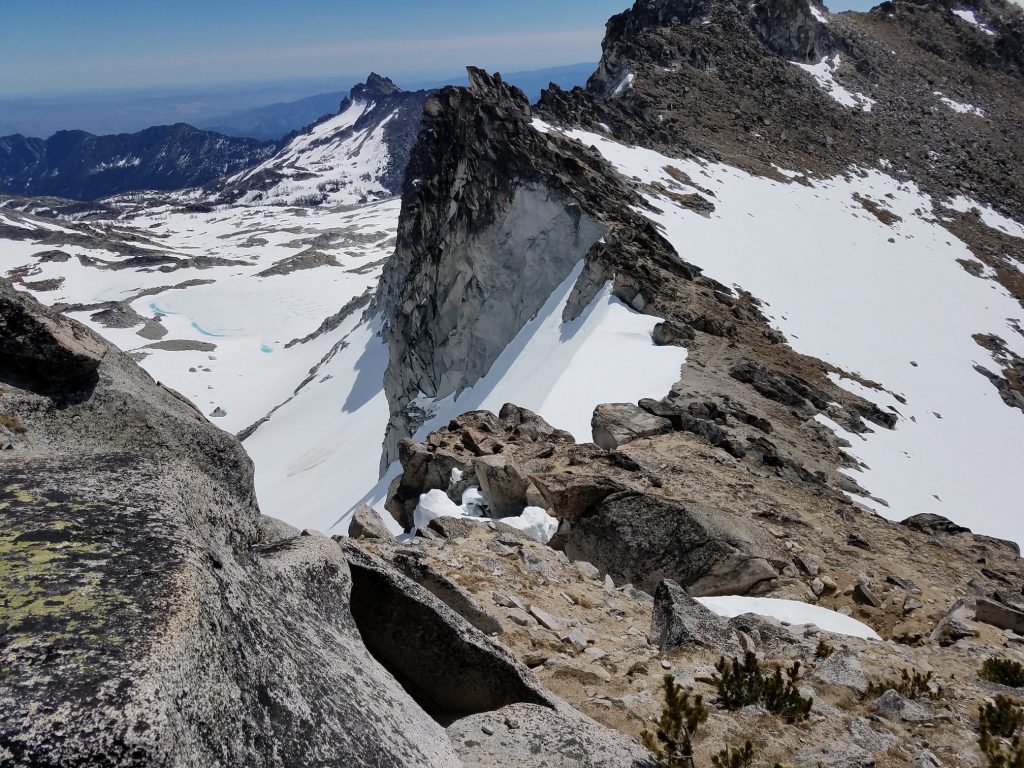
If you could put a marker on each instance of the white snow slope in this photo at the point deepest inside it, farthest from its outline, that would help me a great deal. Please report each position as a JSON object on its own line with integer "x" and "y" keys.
{"x": 328, "y": 164}
{"x": 901, "y": 313}
{"x": 824, "y": 74}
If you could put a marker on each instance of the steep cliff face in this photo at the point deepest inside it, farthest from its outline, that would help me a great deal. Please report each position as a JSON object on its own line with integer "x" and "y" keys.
{"x": 794, "y": 29}
{"x": 495, "y": 215}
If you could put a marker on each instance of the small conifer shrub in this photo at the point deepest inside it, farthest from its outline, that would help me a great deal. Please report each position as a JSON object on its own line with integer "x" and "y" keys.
{"x": 741, "y": 684}
{"x": 911, "y": 685}
{"x": 1000, "y": 725}
{"x": 1003, "y": 671}
{"x": 737, "y": 757}
{"x": 672, "y": 741}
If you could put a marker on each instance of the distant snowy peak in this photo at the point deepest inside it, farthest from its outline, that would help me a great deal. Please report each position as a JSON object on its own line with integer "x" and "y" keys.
{"x": 356, "y": 155}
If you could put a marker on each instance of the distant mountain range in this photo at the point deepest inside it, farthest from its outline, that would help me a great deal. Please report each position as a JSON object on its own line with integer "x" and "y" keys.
{"x": 268, "y": 111}
{"x": 78, "y": 165}
{"x": 81, "y": 166}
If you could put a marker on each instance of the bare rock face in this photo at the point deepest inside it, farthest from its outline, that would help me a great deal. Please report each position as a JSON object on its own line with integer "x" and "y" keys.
{"x": 495, "y": 215}
{"x": 150, "y": 616}
{"x": 785, "y": 26}
{"x": 483, "y": 241}
{"x": 135, "y": 569}
{"x": 529, "y": 737}
{"x": 1000, "y": 615}
{"x": 366, "y": 524}
{"x": 45, "y": 351}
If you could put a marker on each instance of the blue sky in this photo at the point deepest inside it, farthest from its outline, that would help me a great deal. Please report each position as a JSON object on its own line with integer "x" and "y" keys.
{"x": 51, "y": 46}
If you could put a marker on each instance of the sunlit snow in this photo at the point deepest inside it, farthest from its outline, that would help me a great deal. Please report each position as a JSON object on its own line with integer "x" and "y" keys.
{"x": 535, "y": 522}
{"x": 563, "y": 370}
{"x": 824, "y": 73}
{"x": 989, "y": 217}
{"x": 329, "y": 163}
{"x": 890, "y": 302}
{"x": 959, "y": 106}
{"x": 789, "y": 612}
{"x": 316, "y": 459}
{"x": 970, "y": 18}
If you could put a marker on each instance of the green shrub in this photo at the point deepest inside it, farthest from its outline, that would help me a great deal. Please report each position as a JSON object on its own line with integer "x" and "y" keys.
{"x": 672, "y": 742}
{"x": 737, "y": 757}
{"x": 1004, "y": 672}
{"x": 741, "y": 684}
{"x": 824, "y": 650}
{"x": 999, "y": 733}
{"x": 910, "y": 685}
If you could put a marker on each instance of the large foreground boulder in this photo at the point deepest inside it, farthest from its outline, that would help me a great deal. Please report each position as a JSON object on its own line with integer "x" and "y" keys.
{"x": 642, "y": 538}
{"x": 150, "y": 616}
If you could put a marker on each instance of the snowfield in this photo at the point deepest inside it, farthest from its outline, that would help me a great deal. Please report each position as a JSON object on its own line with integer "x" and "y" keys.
{"x": 888, "y": 302}
{"x": 971, "y": 19}
{"x": 223, "y": 333}
{"x": 959, "y": 106}
{"x": 562, "y": 371}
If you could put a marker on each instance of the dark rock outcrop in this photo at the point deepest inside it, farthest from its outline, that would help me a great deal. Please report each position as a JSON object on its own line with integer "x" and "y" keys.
{"x": 495, "y": 215}
{"x": 679, "y": 620}
{"x": 613, "y": 521}
{"x": 615, "y": 424}
{"x": 643, "y": 539}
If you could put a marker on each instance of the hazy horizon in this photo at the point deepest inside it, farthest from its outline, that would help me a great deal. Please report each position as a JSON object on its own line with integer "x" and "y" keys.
{"x": 53, "y": 48}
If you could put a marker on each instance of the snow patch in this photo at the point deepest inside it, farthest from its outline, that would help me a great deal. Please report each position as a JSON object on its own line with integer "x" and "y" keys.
{"x": 824, "y": 73}
{"x": 862, "y": 295}
{"x": 959, "y": 106}
{"x": 971, "y": 19}
{"x": 624, "y": 83}
{"x": 533, "y": 521}
{"x": 989, "y": 217}
{"x": 789, "y": 612}
{"x": 818, "y": 14}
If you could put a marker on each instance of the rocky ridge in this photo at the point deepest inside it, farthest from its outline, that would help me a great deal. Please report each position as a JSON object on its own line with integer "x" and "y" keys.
{"x": 729, "y": 484}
